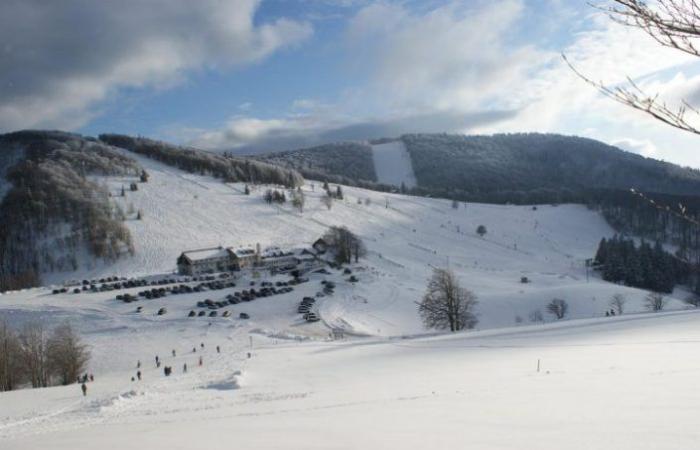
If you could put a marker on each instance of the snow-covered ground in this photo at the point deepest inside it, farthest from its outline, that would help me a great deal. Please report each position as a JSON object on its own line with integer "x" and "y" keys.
{"x": 623, "y": 382}
{"x": 393, "y": 164}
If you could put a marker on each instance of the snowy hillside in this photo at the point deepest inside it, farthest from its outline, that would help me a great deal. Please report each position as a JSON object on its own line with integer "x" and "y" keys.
{"x": 406, "y": 237}
{"x": 392, "y": 163}
{"x": 300, "y": 389}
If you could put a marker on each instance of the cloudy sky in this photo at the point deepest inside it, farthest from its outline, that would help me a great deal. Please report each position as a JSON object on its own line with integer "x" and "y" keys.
{"x": 258, "y": 75}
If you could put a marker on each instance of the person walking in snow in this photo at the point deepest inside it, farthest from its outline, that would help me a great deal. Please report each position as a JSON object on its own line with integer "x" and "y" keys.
{"x": 157, "y": 361}
{"x": 173, "y": 353}
{"x": 200, "y": 361}
{"x": 83, "y": 386}
{"x": 184, "y": 368}
{"x": 138, "y": 364}
{"x": 138, "y": 375}
{"x": 92, "y": 378}
{"x": 194, "y": 349}
{"x": 202, "y": 344}
{"x": 218, "y": 350}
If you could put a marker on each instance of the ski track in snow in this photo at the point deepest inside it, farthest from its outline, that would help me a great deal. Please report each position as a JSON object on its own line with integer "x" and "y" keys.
{"x": 392, "y": 163}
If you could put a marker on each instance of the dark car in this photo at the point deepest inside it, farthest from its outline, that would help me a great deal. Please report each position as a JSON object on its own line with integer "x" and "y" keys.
{"x": 213, "y": 314}
{"x": 192, "y": 314}
{"x": 162, "y": 311}
{"x": 311, "y": 317}
{"x": 243, "y": 316}
{"x": 202, "y": 313}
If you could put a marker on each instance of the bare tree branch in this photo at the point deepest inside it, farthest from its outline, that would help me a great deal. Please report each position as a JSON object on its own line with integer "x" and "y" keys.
{"x": 633, "y": 96}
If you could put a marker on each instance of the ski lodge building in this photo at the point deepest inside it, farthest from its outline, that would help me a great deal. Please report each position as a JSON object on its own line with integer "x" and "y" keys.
{"x": 221, "y": 259}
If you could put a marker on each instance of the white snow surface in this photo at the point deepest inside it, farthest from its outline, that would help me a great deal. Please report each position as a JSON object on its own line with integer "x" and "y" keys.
{"x": 623, "y": 382}
{"x": 393, "y": 164}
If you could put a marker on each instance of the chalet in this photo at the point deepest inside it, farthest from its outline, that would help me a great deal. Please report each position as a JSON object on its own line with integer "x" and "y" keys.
{"x": 242, "y": 258}
{"x": 274, "y": 258}
{"x": 206, "y": 260}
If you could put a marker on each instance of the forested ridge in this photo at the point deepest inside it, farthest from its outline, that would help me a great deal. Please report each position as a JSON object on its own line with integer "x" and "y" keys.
{"x": 226, "y": 167}
{"x": 52, "y": 213}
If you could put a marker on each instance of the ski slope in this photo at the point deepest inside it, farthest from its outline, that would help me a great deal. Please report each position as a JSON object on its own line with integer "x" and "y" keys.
{"x": 406, "y": 237}
{"x": 623, "y": 382}
{"x": 392, "y": 163}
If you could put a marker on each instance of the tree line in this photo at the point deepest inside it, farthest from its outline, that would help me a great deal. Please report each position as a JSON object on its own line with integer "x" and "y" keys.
{"x": 37, "y": 357}
{"x": 228, "y": 168}
{"x": 621, "y": 260}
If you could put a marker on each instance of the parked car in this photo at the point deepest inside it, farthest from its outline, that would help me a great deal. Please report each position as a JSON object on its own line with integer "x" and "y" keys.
{"x": 311, "y": 317}
{"x": 201, "y": 313}
{"x": 243, "y": 316}
{"x": 162, "y": 311}
{"x": 192, "y": 314}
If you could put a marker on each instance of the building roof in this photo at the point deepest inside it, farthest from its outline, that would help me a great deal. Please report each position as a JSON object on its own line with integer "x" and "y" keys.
{"x": 205, "y": 253}
{"x": 242, "y": 251}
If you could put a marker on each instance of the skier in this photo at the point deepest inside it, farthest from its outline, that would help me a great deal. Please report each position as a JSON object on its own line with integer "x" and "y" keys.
{"x": 83, "y": 386}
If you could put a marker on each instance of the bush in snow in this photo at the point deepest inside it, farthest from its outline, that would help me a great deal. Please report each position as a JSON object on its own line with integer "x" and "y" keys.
{"x": 536, "y": 316}
{"x": 655, "y": 301}
{"x": 558, "y": 308}
{"x": 693, "y": 300}
{"x": 617, "y": 303}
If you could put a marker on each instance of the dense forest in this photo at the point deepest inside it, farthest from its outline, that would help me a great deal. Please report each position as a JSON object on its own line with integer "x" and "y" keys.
{"x": 506, "y": 168}
{"x": 523, "y": 167}
{"x": 226, "y": 167}
{"x": 348, "y": 159}
{"x": 53, "y": 213}
{"x": 620, "y": 260}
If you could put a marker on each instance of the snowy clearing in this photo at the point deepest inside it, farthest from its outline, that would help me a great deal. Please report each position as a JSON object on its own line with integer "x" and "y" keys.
{"x": 393, "y": 164}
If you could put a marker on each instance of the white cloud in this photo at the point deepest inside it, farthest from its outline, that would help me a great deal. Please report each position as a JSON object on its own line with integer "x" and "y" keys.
{"x": 439, "y": 68}
{"x": 641, "y": 147}
{"x": 60, "y": 59}
{"x": 450, "y": 57}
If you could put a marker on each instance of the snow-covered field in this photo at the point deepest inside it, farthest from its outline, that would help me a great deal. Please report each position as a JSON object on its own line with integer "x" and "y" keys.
{"x": 623, "y": 382}
{"x": 393, "y": 164}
